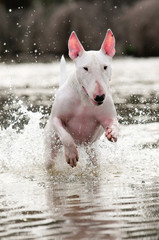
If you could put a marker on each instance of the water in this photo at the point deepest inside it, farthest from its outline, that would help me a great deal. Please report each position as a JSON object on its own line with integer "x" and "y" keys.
{"x": 117, "y": 199}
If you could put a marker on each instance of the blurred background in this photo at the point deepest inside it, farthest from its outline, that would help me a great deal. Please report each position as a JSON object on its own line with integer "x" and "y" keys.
{"x": 118, "y": 196}
{"x": 38, "y": 30}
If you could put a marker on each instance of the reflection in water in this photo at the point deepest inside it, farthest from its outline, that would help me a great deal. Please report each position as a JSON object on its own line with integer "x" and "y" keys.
{"x": 86, "y": 217}
{"x": 107, "y": 211}
{"x": 81, "y": 211}
{"x": 116, "y": 199}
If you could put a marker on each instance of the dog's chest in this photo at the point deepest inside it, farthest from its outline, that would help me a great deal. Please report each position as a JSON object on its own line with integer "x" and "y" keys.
{"x": 82, "y": 124}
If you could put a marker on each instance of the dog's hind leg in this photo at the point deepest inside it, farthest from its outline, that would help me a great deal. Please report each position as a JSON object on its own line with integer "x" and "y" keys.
{"x": 92, "y": 155}
{"x": 52, "y": 148}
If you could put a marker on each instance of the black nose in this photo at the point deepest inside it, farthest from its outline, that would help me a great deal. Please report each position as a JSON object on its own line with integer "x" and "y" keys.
{"x": 99, "y": 98}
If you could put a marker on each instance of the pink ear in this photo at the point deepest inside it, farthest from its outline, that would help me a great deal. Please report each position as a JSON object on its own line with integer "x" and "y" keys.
{"x": 74, "y": 46}
{"x": 108, "y": 45}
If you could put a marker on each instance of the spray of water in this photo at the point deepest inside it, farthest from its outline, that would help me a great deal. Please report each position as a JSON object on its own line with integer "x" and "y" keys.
{"x": 22, "y": 150}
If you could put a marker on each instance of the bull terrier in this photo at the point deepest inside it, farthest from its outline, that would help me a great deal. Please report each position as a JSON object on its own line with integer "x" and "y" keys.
{"x": 83, "y": 108}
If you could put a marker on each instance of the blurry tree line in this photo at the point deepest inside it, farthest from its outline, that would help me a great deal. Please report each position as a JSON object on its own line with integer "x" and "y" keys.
{"x": 39, "y": 29}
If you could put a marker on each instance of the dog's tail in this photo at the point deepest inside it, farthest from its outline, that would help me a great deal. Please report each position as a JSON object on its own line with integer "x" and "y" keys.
{"x": 63, "y": 70}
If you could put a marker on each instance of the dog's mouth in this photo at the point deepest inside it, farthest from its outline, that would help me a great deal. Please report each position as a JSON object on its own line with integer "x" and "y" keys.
{"x": 85, "y": 91}
{"x": 96, "y": 103}
{"x": 92, "y": 100}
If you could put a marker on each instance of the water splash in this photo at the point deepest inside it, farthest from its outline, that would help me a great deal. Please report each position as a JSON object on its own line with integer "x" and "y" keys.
{"x": 22, "y": 147}
{"x": 22, "y": 150}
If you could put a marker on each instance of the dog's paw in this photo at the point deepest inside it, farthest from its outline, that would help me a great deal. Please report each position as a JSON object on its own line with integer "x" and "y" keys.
{"x": 71, "y": 155}
{"x": 112, "y": 134}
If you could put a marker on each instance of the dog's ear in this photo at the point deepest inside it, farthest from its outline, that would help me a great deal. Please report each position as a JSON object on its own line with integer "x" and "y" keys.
{"x": 74, "y": 46}
{"x": 108, "y": 45}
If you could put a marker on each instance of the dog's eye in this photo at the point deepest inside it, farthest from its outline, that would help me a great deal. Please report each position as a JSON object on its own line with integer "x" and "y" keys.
{"x": 86, "y": 69}
{"x": 105, "y": 67}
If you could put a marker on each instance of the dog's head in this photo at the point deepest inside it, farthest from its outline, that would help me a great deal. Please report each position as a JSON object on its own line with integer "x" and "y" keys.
{"x": 93, "y": 68}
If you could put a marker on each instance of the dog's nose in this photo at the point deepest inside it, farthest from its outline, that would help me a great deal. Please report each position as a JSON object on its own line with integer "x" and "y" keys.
{"x": 99, "y": 98}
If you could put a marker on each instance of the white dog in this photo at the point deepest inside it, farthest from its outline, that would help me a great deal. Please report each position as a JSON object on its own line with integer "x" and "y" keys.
{"x": 83, "y": 108}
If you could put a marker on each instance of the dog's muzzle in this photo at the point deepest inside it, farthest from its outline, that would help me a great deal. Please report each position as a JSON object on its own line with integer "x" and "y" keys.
{"x": 98, "y": 100}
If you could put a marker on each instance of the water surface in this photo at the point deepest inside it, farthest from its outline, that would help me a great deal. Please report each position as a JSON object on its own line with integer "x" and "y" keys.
{"x": 116, "y": 199}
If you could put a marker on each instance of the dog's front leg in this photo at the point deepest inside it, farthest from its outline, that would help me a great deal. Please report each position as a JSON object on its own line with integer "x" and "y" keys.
{"x": 111, "y": 127}
{"x": 71, "y": 152}
{"x": 112, "y": 131}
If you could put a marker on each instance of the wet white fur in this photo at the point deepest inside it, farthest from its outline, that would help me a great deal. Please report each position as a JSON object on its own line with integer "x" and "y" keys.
{"x": 75, "y": 119}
